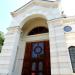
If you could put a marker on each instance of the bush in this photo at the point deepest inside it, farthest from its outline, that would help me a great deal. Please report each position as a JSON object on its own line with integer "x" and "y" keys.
{"x": 0, "y": 48}
{"x": 1, "y": 40}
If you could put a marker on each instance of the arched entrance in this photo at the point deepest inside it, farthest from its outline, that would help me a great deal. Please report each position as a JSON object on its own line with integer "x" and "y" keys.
{"x": 37, "y": 51}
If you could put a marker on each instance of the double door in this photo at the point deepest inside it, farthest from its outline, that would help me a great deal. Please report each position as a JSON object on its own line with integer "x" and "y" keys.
{"x": 37, "y": 59}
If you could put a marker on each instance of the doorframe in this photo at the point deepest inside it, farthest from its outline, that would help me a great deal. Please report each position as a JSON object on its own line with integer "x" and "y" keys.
{"x": 22, "y": 45}
{"x": 39, "y": 37}
{"x": 31, "y": 38}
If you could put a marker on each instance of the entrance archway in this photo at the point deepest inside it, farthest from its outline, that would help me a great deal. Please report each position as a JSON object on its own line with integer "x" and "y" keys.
{"x": 37, "y": 51}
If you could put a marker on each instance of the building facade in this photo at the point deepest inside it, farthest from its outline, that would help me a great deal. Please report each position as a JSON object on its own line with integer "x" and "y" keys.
{"x": 39, "y": 35}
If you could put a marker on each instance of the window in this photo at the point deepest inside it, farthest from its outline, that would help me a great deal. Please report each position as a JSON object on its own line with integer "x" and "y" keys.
{"x": 37, "y": 49}
{"x": 40, "y": 66}
{"x": 37, "y": 61}
{"x": 33, "y": 66}
{"x": 38, "y": 30}
{"x": 72, "y": 56}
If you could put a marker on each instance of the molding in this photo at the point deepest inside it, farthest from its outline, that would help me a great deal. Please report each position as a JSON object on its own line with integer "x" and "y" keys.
{"x": 14, "y": 29}
{"x": 62, "y": 21}
{"x": 39, "y": 37}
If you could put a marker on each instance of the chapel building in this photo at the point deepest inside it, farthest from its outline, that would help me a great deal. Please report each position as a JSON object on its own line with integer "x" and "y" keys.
{"x": 39, "y": 41}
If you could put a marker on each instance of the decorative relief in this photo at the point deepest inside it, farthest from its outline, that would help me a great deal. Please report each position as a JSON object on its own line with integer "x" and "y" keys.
{"x": 67, "y": 28}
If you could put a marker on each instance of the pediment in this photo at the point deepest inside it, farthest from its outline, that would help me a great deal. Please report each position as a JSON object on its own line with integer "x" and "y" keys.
{"x": 37, "y": 3}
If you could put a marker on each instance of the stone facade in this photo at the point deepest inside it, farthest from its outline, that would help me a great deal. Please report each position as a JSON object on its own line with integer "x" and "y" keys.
{"x": 12, "y": 55}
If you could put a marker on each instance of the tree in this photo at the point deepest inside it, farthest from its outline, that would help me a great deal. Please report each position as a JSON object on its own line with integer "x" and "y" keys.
{"x": 1, "y": 39}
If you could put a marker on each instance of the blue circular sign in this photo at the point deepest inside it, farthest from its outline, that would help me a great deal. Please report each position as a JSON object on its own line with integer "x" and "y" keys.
{"x": 67, "y": 28}
{"x": 38, "y": 50}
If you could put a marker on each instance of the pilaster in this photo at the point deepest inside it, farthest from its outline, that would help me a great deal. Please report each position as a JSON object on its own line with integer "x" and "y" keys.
{"x": 7, "y": 56}
{"x": 60, "y": 60}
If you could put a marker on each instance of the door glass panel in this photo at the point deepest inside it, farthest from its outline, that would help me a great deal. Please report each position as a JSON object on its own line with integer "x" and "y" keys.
{"x": 37, "y": 49}
{"x": 33, "y": 66}
{"x": 40, "y": 73}
{"x": 40, "y": 66}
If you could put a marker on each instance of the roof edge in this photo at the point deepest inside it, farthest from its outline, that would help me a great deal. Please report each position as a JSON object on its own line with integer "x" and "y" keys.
{"x": 37, "y": 2}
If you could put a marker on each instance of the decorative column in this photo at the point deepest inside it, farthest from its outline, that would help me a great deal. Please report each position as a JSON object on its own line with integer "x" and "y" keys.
{"x": 10, "y": 48}
{"x": 53, "y": 50}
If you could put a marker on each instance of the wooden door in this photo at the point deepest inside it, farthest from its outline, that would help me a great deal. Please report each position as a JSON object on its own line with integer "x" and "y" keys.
{"x": 37, "y": 59}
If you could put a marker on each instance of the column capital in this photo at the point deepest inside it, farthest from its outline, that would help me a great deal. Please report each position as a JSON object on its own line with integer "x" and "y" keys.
{"x": 14, "y": 29}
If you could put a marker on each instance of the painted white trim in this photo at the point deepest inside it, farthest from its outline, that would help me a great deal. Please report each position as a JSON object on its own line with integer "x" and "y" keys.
{"x": 39, "y": 37}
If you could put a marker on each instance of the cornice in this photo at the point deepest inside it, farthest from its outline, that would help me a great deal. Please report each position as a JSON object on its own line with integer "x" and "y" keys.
{"x": 62, "y": 21}
{"x": 46, "y": 4}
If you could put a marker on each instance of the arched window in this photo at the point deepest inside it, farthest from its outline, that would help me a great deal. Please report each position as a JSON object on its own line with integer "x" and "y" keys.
{"x": 72, "y": 56}
{"x": 38, "y": 30}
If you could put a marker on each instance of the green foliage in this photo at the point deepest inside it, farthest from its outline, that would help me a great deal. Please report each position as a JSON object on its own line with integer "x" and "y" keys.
{"x": 1, "y": 39}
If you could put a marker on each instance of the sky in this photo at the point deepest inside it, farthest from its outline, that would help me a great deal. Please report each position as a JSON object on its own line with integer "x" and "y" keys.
{"x": 7, "y": 6}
